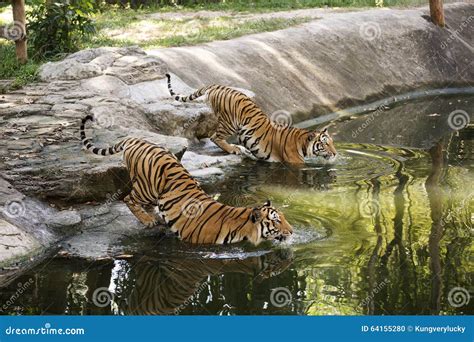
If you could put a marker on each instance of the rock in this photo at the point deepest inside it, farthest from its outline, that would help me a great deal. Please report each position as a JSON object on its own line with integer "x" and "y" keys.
{"x": 107, "y": 86}
{"x": 106, "y": 60}
{"x": 206, "y": 172}
{"x": 86, "y": 56}
{"x": 61, "y": 107}
{"x": 67, "y": 70}
{"x": 193, "y": 161}
{"x": 15, "y": 244}
{"x": 133, "y": 70}
{"x": 202, "y": 166}
{"x": 23, "y": 235}
{"x": 103, "y": 230}
{"x": 25, "y": 110}
{"x": 64, "y": 219}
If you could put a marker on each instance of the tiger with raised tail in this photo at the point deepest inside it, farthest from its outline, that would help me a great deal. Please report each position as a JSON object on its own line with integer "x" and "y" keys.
{"x": 159, "y": 180}
{"x": 258, "y": 137}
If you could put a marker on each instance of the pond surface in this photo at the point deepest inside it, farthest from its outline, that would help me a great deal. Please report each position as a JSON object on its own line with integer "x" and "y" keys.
{"x": 386, "y": 229}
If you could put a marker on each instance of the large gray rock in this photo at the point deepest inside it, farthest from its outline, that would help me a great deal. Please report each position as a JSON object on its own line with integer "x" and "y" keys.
{"x": 15, "y": 244}
{"x": 23, "y": 235}
{"x": 201, "y": 165}
{"x": 66, "y": 218}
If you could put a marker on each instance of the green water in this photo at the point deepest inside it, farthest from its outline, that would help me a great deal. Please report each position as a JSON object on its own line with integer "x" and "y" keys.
{"x": 386, "y": 229}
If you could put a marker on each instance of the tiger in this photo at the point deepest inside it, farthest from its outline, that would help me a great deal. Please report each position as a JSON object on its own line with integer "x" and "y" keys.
{"x": 159, "y": 180}
{"x": 258, "y": 137}
{"x": 168, "y": 286}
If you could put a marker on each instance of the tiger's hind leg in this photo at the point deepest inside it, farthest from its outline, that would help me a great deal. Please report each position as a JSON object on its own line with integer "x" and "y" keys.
{"x": 138, "y": 209}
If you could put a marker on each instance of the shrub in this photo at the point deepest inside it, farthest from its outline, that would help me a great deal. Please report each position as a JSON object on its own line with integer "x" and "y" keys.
{"x": 56, "y": 27}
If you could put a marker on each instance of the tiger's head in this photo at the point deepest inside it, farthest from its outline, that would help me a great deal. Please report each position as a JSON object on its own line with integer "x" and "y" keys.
{"x": 271, "y": 223}
{"x": 320, "y": 144}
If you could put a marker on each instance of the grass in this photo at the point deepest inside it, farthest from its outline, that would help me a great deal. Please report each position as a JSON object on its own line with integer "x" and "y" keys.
{"x": 151, "y": 33}
{"x": 10, "y": 69}
{"x": 254, "y": 6}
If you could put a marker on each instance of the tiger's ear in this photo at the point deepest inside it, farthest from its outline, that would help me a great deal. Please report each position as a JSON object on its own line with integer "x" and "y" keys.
{"x": 325, "y": 131}
{"x": 255, "y": 215}
{"x": 268, "y": 203}
{"x": 311, "y": 136}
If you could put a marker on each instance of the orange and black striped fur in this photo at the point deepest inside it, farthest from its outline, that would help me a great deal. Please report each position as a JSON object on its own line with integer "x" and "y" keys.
{"x": 159, "y": 180}
{"x": 259, "y": 137}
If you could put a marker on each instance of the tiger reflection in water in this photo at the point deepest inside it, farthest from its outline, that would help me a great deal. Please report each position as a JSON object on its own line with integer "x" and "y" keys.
{"x": 165, "y": 287}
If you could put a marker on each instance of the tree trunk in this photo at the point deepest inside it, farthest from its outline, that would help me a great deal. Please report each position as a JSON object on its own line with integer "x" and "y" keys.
{"x": 437, "y": 12}
{"x": 19, "y": 23}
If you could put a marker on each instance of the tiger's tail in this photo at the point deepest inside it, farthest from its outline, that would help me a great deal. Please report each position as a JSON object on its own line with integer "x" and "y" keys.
{"x": 88, "y": 145}
{"x": 198, "y": 93}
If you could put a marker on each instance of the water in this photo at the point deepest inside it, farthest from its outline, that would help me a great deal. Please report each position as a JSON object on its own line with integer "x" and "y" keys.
{"x": 386, "y": 229}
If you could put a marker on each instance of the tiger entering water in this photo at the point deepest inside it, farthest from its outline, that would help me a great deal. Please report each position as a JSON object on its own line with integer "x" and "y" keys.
{"x": 159, "y": 179}
{"x": 257, "y": 135}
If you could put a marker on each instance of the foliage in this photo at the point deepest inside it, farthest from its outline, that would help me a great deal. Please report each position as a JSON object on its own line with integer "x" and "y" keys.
{"x": 252, "y": 5}
{"x": 56, "y": 27}
{"x": 10, "y": 68}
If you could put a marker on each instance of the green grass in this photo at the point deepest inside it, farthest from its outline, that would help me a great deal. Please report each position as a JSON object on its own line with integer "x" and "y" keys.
{"x": 184, "y": 32}
{"x": 11, "y": 69}
{"x": 272, "y": 5}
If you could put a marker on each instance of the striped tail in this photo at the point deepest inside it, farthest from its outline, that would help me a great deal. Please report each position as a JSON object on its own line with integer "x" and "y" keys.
{"x": 182, "y": 98}
{"x": 88, "y": 145}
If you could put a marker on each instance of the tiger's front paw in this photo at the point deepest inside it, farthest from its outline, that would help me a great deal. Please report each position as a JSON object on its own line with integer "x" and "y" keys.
{"x": 150, "y": 224}
{"x": 240, "y": 150}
